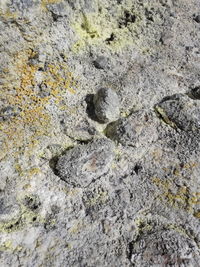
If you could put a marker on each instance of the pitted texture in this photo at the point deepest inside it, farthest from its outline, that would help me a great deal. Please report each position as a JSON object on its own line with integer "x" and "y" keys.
{"x": 85, "y": 163}
{"x": 107, "y": 105}
{"x": 99, "y": 133}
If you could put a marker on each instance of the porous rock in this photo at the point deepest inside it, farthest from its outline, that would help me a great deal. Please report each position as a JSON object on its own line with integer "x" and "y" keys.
{"x": 138, "y": 129}
{"x": 107, "y": 105}
{"x": 100, "y": 62}
{"x": 164, "y": 248}
{"x": 84, "y": 164}
{"x": 91, "y": 214}
{"x": 180, "y": 112}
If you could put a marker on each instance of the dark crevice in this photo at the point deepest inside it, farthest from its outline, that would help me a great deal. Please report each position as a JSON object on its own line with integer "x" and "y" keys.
{"x": 137, "y": 168}
{"x": 55, "y": 16}
{"x": 52, "y": 163}
{"x": 90, "y": 107}
{"x": 149, "y": 15}
{"x": 127, "y": 19}
{"x": 110, "y": 39}
{"x": 197, "y": 18}
{"x": 194, "y": 93}
{"x": 130, "y": 250}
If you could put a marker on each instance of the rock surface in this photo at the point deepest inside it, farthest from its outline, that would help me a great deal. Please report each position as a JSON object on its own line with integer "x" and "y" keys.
{"x": 119, "y": 188}
{"x": 106, "y": 105}
{"x": 83, "y": 164}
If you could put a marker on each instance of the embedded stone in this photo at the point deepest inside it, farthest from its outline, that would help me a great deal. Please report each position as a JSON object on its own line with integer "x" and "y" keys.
{"x": 107, "y": 105}
{"x": 84, "y": 164}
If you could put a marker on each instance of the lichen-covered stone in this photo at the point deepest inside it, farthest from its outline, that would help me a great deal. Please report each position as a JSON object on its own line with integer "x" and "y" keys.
{"x": 84, "y": 164}
{"x": 107, "y": 105}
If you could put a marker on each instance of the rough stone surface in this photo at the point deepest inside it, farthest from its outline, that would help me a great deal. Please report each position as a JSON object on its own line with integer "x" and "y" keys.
{"x": 164, "y": 248}
{"x": 75, "y": 190}
{"x": 85, "y": 163}
{"x": 137, "y": 129}
{"x": 180, "y": 112}
{"x": 107, "y": 105}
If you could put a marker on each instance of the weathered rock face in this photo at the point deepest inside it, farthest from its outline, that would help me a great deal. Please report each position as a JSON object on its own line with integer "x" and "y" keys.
{"x": 83, "y": 164}
{"x": 164, "y": 247}
{"x": 99, "y": 133}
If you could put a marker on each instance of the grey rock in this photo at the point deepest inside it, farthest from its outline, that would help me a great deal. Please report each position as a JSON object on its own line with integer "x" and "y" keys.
{"x": 180, "y": 112}
{"x": 22, "y": 4}
{"x": 107, "y": 105}
{"x": 9, "y": 209}
{"x": 164, "y": 248}
{"x": 58, "y": 10}
{"x": 98, "y": 212}
{"x": 83, "y": 131}
{"x": 139, "y": 129}
{"x": 84, "y": 164}
{"x": 101, "y": 62}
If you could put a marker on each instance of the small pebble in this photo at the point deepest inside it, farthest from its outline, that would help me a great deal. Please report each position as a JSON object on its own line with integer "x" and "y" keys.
{"x": 100, "y": 62}
{"x": 107, "y": 105}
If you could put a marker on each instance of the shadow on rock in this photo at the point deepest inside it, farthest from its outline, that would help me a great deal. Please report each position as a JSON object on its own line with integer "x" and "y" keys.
{"x": 90, "y": 107}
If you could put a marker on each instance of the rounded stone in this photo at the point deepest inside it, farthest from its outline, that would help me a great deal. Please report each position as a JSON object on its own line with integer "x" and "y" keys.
{"x": 84, "y": 164}
{"x": 164, "y": 248}
{"x": 100, "y": 62}
{"x": 107, "y": 105}
{"x": 180, "y": 112}
{"x": 137, "y": 130}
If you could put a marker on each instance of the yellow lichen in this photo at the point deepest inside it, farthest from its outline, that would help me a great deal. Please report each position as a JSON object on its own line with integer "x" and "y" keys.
{"x": 177, "y": 196}
{"x": 24, "y": 131}
{"x": 77, "y": 227}
{"x": 8, "y": 244}
{"x": 101, "y": 29}
{"x": 197, "y": 214}
{"x": 163, "y": 115}
{"x": 25, "y": 217}
{"x": 7, "y": 14}
{"x": 98, "y": 198}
